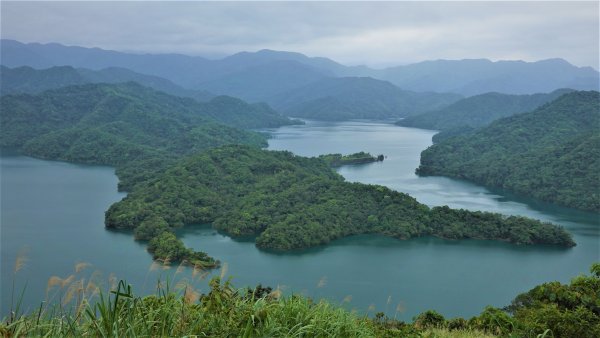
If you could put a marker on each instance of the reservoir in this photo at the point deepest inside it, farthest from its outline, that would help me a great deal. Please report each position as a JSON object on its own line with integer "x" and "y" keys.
{"x": 54, "y": 212}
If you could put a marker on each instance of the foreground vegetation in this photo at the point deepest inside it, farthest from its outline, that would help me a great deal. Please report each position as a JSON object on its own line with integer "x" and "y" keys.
{"x": 292, "y": 202}
{"x": 548, "y": 310}
{"x": 552, "y": 153}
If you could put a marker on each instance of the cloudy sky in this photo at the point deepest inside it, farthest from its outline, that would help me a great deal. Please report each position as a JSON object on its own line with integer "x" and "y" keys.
{"x": 376, "y": 34}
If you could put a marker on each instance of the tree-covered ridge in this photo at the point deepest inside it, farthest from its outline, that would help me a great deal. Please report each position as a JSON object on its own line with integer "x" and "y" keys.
{"x": 346, "y": 98}
{"x": 133, "y": 128}
{"x": 27, "y": 80}
{"x": 479, "y": 111}
{"x": 231, "y": 111}
{"x": 552, "y": 153}
{"x": 292, "y": 202}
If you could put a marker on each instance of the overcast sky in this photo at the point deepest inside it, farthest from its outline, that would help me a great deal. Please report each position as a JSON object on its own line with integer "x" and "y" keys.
{"x": 376, "y": 34}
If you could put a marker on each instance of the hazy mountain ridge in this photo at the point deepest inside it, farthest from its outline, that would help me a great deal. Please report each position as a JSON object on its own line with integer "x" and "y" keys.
{"x": 29, "y": 80}
{"x": 356, "y": 98}
{"x": 479, "y": 110}
{"x": 478, "y": 76}
{"x": 465, "y": 77}
{"x": 228, "y": 110}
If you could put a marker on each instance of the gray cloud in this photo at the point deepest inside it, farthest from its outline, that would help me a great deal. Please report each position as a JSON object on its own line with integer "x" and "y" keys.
{"x": 373, "y": 33}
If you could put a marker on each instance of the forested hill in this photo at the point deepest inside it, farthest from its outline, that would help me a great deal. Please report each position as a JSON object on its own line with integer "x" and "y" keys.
{"x": 27, "y": 80}
{"x": 478, "y": 111}
{"x": 356, "y": 98}
{"x": 293, "y": 202}
{"x": 125, "y": 125}
{"x": 551, "y": 153}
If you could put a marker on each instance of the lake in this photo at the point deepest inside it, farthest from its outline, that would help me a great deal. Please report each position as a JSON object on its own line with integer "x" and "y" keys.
{"x": 56, "y": 211}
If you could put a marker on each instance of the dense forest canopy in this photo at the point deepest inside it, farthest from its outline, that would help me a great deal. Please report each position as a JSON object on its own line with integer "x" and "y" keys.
{"x": 292, "y": 202}
{"x": 552, "y": 153}
{"x": 135, "y": 129}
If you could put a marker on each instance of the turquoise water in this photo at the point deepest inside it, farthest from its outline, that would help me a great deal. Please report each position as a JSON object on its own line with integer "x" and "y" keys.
{"x": 56, "y": 210}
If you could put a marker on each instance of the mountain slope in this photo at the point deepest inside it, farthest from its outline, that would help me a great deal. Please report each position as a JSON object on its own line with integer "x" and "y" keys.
{"x": 478, "y": 111}
{"x": 356, "y": 98}
{"x": 551, "y": 153}
{"x": 228, "y": 110}
{"x": 125, "y": 125}
{"x": 256, "y": 83}
{"x": 32, "y": 81}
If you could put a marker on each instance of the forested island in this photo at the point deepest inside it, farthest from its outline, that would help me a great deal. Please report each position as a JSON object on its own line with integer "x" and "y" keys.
{"x": 551, "y": 153}
{"x": 338, "y": 160}
{"x": 291, "y": 202}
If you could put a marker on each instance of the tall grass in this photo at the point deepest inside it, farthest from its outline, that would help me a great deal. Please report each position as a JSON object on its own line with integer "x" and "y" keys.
{"x": 80, "y": 305}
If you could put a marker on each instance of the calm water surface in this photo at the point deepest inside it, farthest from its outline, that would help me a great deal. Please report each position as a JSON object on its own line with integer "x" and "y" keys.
{"x": 56, "y": 211}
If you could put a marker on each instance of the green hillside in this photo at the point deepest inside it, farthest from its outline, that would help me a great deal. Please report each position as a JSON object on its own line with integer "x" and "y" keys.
{"x": 356, "y": 98}
{"x": 479, "y": 111}
{"x": 552, "y": 153}
{"x": 27, "y": 80}
{"x": 117, "y": 125}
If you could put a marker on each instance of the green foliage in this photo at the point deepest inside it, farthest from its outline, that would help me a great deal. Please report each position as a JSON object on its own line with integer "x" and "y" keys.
{"x": 338, "y": 160}
{"x": 166, "y": 247}
{"x": 222, "y": 312}
{"x": 134, "y": 128}
{"x": 552, "y": 153}
{"x": 27, "y": 80}
{"x": 429, "y": 319}
{"x": 291, "y": 202}
{"x": 548, "y": 310}
{"x": 494, "y": 321}
{"x": 567, "y": 310}
{"x": 478, "y": 111}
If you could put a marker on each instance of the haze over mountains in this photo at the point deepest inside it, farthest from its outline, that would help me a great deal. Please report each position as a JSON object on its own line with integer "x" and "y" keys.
{"x": 479, "y": 110}
{"x": 271, "y": 73}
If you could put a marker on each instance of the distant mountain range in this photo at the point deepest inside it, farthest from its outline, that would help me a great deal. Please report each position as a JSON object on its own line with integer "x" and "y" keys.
{"x": 264, "y": 74}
